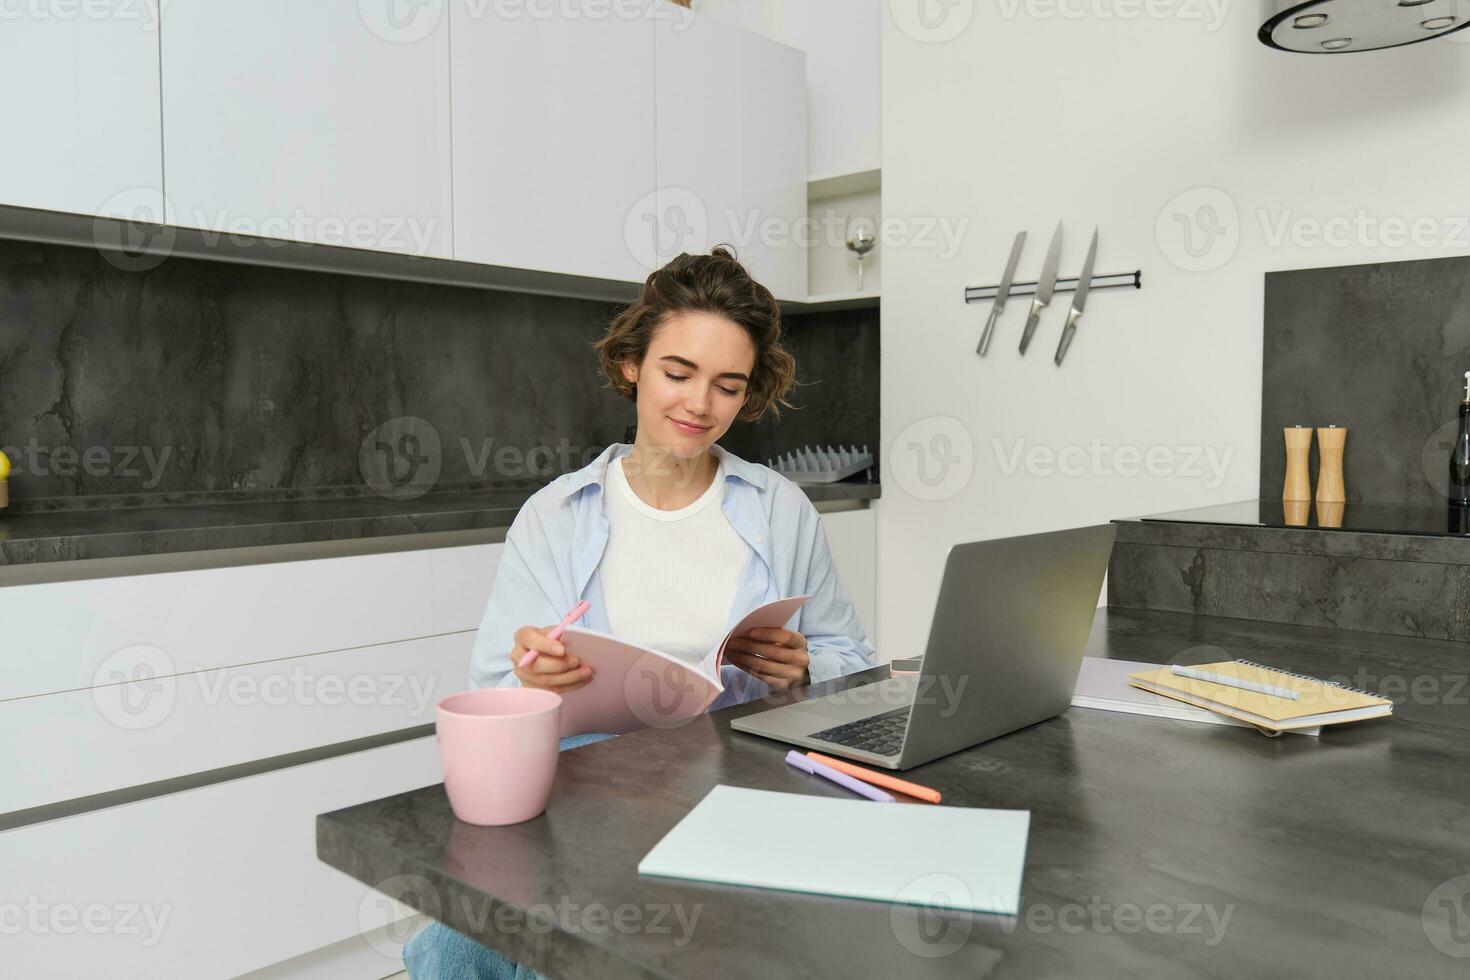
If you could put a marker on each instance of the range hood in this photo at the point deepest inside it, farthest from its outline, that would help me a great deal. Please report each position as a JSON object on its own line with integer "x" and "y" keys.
{"x": 1341, "y": 26}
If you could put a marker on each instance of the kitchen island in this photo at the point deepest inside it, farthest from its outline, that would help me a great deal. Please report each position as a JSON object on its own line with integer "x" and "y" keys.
{"x": 1157, "y": 847}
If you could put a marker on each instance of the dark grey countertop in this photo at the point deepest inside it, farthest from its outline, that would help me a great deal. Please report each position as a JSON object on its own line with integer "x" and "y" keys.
{"x": 39, "y": 536}
{"x": 1353, "y": 517}
{"x": 1158, "y": 848}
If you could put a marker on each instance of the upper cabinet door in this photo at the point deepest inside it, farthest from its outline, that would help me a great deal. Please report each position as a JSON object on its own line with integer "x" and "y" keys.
{"x": 553, "y": 135}
{"x": 324, "y": 122}
{"x": 81, "y": 109}
{"x": 773, "y": 165}
{"x": 732, "y": 148}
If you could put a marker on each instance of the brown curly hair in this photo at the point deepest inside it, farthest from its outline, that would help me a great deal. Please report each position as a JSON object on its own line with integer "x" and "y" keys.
{"x": 714, "y": 283}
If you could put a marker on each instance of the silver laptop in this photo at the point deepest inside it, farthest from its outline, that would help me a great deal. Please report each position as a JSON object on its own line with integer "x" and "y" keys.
{"x": 1009, "y": 629}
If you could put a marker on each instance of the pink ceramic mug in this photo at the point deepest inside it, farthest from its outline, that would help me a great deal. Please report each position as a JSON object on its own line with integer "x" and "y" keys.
{"x": 499, "y": 747}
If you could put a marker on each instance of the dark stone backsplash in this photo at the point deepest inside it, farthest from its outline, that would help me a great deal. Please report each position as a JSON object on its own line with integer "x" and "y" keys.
{"x": 207, "y": 380}
{"x": 837, "y": 360}
{"x": 1381, "y": 349}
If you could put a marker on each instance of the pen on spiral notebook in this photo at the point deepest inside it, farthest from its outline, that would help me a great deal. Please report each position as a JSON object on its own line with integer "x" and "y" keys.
{"x": 1195, "y": 673}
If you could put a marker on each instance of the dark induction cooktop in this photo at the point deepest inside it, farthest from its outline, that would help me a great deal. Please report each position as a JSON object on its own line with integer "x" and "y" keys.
{"x": 1353, "y": 516}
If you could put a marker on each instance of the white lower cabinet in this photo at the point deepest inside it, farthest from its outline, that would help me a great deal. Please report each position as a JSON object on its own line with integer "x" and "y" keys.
{"x": 210, "y": 882}
{"x": 119, "y": 684}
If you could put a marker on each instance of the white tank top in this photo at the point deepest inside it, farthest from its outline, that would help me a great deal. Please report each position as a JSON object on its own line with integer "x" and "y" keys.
{"x": 669, "y": 576}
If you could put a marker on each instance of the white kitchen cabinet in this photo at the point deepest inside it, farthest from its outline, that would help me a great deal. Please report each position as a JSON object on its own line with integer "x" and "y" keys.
{"x": 210, "y": 882}
{"x": 82, "y": 108}
{"x": 238, "y": 666}
{"x": 141, "y": 678}
{"x": 852, "y": 539}
{"x": 554, "y": 136}
{"x": 85, "y": 743}
{"x": 842, "y": 40}
{"x": 843, "y": 44}
{"x": 732, "y": 148}
{"x": 78, "y": 635}
{"x": 315, "y": 122}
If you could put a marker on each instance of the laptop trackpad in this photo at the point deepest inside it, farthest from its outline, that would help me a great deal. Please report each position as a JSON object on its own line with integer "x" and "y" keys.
{"x": 886, "y": 695}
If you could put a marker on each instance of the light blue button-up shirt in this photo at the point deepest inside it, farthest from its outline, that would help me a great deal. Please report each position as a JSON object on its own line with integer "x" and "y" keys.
{"x": 555, "y": 545}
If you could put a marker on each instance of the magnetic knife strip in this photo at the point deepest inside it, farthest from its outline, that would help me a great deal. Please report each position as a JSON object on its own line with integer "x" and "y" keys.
{"x": 1116, "y": 280}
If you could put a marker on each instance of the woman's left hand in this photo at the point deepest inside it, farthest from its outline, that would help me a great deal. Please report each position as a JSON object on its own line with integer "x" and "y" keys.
{"x": 771, "y": 654}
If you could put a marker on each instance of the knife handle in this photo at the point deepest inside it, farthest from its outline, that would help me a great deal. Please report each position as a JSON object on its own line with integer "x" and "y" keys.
{"x": 1031, "y": 321}
{"x": 1068, "y": 332}
{"x": 989, "y": 329}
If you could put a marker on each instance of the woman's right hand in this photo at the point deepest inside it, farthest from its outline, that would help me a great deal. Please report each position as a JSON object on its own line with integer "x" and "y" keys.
{"x": 553, "y": 669}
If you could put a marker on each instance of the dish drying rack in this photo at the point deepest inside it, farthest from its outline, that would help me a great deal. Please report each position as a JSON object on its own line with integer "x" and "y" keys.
{"x": 818, "y": 465}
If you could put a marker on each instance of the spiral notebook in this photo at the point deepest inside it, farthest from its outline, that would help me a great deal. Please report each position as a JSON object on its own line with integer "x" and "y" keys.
{"x": 1318, "y": 702}
{"x": 1104, "y": 685}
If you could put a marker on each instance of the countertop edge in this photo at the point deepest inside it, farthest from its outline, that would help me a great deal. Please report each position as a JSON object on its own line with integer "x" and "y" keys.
{"x": 73, "y": 557}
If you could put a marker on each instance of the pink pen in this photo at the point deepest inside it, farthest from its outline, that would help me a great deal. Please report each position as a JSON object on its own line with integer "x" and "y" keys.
{"x": 557, "y": 631}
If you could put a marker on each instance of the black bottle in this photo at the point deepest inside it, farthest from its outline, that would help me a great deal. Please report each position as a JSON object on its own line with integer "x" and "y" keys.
{"x": 1460, "y": 455}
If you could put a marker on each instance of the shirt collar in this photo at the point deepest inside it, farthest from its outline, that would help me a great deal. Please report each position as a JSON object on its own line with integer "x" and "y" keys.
{"x": 596, "y": 471}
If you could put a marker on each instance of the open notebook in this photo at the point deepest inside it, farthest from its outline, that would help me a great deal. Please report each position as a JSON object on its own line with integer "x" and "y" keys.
{"x": 635, "y": 686}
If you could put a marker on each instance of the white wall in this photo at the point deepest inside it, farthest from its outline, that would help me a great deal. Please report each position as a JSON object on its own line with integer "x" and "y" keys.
{"x": 1025, "y": 116}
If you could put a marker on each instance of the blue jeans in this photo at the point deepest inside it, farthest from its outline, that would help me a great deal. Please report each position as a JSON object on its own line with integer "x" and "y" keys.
{"x": 437, "y": 952}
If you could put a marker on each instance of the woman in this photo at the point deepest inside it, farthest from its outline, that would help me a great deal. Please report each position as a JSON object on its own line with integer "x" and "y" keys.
{"x": 672, "y": 539}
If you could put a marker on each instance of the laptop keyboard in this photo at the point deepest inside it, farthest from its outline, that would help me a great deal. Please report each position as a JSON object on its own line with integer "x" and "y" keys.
{"x": 879, "y": 734}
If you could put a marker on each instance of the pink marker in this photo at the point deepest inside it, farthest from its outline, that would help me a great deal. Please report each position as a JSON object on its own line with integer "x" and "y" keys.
{"x": 557, "y": 631}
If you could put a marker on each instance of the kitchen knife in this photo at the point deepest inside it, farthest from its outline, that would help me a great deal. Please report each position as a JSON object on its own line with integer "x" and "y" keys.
{"x": 1001, "y": 292}
{"x": 1079, "y": 301}
{"x": 1045, "y": 283}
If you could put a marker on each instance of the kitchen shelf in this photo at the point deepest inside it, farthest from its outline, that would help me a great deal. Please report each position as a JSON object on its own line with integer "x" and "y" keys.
{"x": 833, "y": 301}
{"x": 828, "y": 186}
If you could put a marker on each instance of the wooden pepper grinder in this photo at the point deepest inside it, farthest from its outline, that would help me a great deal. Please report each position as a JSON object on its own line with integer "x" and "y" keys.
{"x": 1330, "y": 489}
{"x": 1298, "y": 445}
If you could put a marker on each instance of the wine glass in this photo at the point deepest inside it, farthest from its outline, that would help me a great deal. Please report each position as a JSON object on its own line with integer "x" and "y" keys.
{"x": 862, "y": 238}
